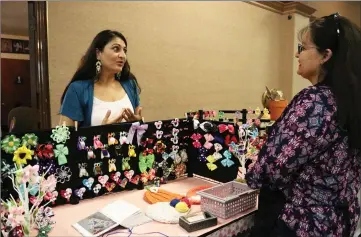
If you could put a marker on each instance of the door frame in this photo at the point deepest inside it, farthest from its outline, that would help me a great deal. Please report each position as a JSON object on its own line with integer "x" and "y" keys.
{"x": 39, "y": 70}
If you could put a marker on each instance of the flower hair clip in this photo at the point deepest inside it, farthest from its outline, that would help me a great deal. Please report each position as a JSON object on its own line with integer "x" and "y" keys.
{"x": 30, "y": 140}
{"x": 60, "y": 134}
{"x": 63, "y": 174}
{"x": 10, "y": 144}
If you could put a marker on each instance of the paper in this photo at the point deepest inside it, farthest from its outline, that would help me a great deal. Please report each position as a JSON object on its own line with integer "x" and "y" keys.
{"x": 196, "y": 218}
{"x": 109, "y": 217}
{"x": 119, "y": 210}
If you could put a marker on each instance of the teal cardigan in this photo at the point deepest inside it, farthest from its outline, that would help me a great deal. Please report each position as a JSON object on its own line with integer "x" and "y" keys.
{"x": 78, "y": 100}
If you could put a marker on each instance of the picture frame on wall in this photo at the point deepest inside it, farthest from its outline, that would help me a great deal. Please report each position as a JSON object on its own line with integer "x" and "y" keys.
{"x": 6, "y": 46}
{"x": 14, "y": 46}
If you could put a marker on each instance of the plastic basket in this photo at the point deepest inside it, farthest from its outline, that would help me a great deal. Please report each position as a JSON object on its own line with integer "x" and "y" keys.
{"x": 229, "y": 199}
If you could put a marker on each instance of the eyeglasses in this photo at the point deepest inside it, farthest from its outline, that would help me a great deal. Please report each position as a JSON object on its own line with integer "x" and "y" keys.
{"x": 301, "y": 48}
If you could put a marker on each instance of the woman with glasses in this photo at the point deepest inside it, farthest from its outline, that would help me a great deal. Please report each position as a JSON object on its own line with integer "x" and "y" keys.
{"x": 309, "y": 170}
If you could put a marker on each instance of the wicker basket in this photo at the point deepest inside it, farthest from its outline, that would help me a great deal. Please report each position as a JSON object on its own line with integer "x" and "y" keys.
{"x": 229, "y": 199}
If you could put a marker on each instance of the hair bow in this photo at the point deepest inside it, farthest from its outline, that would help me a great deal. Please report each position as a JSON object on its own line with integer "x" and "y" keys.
{"x": 181, "y": 157}
{"x": 148, "y": 151}
{"x": 44, "y": 151}
{"x": 145, "y": 162}
{"x": 202, "y": 154}
{"x": 218, "y": 139}
{"x": 140, "y": 129}
{"x": 208, "y": 127}
{"x": 230, "y": 139}
{"x": 180, "y": 169}
{"x": 145, "y": 176}
{"x": 159, "y": 147}
{"x": 223, "y": 127}
{"x": 218, "y": 147}
{"x": 208, "y": 143}
{"x": 196, "y": 137}
{"x": 61, "y": 152}
{"x": 227, "y": 162}
{"x": 147, "y": 141}
{"x": 210, "y": 165}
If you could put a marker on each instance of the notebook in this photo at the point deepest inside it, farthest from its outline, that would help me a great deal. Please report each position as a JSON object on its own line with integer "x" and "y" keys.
{"x": 119, "y": 213}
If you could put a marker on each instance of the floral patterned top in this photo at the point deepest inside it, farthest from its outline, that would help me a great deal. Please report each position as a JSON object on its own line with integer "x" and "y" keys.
{"x": 307, "y": 156}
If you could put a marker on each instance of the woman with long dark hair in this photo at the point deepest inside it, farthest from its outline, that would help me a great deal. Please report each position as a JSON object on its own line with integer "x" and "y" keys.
{"x": 102, "y": 90}
{"x": 309, "y": 169}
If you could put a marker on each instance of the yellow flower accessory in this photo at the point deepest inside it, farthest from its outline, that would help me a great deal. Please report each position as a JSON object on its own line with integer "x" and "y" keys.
{"x": 22, "y": 154}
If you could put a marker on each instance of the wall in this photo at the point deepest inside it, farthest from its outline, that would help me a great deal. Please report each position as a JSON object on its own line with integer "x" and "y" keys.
{"x": 351, "y": 10}
{"x": 186, "y": 55}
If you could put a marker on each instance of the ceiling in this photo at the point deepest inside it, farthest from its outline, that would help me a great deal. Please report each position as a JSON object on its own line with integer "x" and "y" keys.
{"x": 14, "y": 18}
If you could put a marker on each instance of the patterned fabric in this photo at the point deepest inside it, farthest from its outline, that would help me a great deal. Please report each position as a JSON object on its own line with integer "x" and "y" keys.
{"x": 307, "y": 156}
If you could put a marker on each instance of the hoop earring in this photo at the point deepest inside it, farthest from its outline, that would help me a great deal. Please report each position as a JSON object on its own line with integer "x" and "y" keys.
{"x": 98, "y": 66}
{"x": 119, "y": 74}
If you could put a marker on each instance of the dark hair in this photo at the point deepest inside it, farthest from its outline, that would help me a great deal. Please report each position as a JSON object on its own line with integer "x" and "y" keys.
{"x": 86, "y": 69}
{"x": 342, "y": 72}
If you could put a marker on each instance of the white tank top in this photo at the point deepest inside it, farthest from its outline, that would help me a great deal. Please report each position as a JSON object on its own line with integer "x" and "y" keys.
{"x": 100, "y": 108}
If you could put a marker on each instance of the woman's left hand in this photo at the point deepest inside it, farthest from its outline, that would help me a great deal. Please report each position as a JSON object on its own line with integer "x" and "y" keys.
{"x": 129, "y": 116}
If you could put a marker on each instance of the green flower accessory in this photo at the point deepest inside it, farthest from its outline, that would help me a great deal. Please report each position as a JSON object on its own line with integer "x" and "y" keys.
{"x": 61, "y": 152}
{"x": 10, "y": 144}
{"x": 30, "y": 139}
{"x": 60, "y": 134}
{"x": 145, "y": 162}
{"x": 44, "y": 231}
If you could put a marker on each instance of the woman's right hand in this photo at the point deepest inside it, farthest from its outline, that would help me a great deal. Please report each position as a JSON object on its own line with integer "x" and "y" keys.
{"x": 118, "y": 119}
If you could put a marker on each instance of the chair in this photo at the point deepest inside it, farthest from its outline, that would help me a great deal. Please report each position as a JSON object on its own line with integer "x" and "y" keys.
{"x": 24, "y": 119}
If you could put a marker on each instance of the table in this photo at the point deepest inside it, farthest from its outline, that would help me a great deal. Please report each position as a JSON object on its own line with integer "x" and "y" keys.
{"x": 66, "y": 215}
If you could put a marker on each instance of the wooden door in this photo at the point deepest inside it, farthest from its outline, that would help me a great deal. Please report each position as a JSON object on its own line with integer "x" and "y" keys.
{"x": 14, "y": 94}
